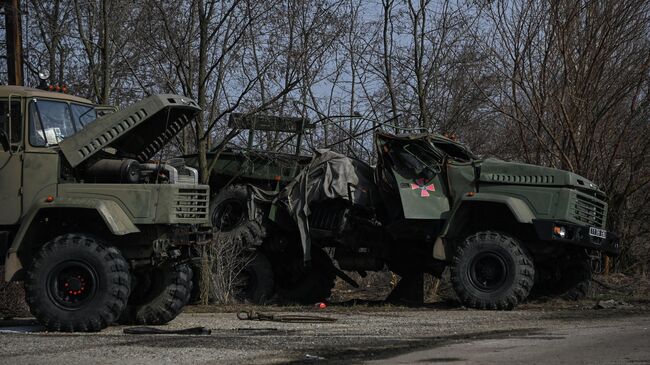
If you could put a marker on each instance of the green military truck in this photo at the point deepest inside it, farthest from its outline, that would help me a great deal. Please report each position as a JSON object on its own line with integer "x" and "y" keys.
{"x": 506, "y": 230}
{"x": 235, "y": 166}
{"x": 98, "y": 231}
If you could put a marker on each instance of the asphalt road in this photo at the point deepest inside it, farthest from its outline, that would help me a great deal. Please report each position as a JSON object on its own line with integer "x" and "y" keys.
{"x": 600, "y": 342}
{"x": 375, "y": 335}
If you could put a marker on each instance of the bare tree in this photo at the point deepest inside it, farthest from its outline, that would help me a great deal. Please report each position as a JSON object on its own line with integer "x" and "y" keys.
{"x": 573, "y": 90}
{"x": 558, "y": 83}
{"x": 52, "y": 21}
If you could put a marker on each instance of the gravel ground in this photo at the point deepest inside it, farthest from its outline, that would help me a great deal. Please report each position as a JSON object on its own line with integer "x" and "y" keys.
{"x": 361, "y": 333}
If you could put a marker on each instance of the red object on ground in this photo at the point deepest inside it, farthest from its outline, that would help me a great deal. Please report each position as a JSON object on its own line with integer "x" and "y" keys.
{"x": 321, "y": 305}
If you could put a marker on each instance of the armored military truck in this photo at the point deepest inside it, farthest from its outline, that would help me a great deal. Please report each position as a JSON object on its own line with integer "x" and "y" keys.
{"x": 95, "y": 223}
{"x": 506, "y": 230}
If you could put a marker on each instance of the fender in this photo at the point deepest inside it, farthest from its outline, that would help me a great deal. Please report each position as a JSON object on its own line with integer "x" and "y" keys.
{"x": 520, "y": 210}
{"x": 116, "y": 220}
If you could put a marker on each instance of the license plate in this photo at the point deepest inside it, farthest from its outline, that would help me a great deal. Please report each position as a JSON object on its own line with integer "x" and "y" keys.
{"x": 597, "y": 232}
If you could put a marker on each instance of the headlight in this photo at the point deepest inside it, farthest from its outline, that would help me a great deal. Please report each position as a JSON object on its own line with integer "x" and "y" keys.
{"x": 44, "y": 75}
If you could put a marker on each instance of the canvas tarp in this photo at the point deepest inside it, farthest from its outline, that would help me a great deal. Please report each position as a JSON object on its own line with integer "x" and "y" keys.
{"x": 329, "y": 175}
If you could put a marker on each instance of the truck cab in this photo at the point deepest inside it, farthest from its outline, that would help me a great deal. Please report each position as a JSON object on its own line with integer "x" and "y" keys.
{"x": 33, "y": 123}
{"x": 84, "y": 191}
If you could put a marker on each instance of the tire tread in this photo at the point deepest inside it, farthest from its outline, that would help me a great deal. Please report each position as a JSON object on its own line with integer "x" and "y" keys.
{"x": 524, "y": 276}
{"x": 118, "y": 277}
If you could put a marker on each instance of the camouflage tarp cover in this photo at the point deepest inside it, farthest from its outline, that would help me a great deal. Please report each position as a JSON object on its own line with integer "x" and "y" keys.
{"x": 329, "y": 175}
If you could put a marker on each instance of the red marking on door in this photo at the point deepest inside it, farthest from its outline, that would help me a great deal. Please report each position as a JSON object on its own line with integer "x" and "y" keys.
{"x": 424, "y": 189}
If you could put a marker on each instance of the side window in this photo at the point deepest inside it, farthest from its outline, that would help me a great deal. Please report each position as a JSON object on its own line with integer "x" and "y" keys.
{"x": 16, "y": 130}
{"x": 82, "y": 115}
{"x": 50, "y": 122}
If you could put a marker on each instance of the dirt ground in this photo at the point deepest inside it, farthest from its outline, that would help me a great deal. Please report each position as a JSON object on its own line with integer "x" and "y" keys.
{"x": 367, "y": 330}
{"x": 361, "y": 334}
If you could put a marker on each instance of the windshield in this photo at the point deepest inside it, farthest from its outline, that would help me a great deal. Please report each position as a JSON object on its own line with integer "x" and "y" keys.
{"x": 52, "y": 121}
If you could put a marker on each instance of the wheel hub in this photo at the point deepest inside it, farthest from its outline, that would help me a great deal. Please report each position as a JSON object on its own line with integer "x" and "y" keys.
{"x": 488, "y": 271}
{"x": 75, "y": 285}
{"x": 72, "y": 284}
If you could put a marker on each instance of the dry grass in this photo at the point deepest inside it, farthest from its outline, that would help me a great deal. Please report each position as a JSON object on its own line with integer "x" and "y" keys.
{"x": 620, "y": 286}
{"x": 12, "y": 299}
{"x": 376, "y": 286}
{"x": 222, "y": 262}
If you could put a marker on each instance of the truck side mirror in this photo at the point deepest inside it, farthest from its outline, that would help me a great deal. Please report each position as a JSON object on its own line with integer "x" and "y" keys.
{"x": 4, "y": 140}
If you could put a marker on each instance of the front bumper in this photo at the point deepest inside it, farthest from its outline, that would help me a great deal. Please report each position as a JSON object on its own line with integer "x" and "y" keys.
{"x": 577, "y": 235}
{"x": 190, "y": 235}
{"x": 182, "y": 243}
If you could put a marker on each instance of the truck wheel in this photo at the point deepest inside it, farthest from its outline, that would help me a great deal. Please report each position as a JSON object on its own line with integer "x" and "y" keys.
{"x": 229, "y": 215}
{"x": 76, "y": 283}
{"x": 255, "y": 283}
{"x": 309, "y": 285}
{"x": 159, "y": 295}
{"x": 492, "y": 271}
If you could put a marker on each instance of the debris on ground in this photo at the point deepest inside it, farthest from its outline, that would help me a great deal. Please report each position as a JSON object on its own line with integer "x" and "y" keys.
{"x": 612, "y": 304}
{"x": 290, "y": 318}
{"x": 617, "y": 284}
{"x": 159, "y": 331}
{"x": 313, "y": 357}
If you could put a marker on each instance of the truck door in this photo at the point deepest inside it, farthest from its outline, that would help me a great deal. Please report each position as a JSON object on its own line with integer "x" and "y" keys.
{"x": 418, "y": 173}
{"x": 11, "y": 161}
{"x": 49, "y": 122}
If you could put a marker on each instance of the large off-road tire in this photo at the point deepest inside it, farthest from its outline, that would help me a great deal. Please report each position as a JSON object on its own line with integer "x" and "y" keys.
{"x": 308, "y": 285}
{"x": 492, "y": 271}
{"x": 159, "y": 295}
{"x": 568, "y": 278}
{"x": 255, "y": 284}
{"x": 77, "y": 283}
{"x": 229, "y": 215}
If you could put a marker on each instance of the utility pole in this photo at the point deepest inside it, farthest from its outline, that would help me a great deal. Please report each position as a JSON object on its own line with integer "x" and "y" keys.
{"x": 13, "y": 37}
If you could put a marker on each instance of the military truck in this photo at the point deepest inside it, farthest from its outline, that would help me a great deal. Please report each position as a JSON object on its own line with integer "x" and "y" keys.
{"x": 236, "y": 166}
{"x": 506, "y": 230}
{"x": 97, "y": 226}
{"x": 233, "y": 167}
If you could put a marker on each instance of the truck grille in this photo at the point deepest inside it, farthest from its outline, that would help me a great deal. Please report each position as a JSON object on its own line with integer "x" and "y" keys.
{"x": 589, "y": 210}
{"x": 191, "y": 203}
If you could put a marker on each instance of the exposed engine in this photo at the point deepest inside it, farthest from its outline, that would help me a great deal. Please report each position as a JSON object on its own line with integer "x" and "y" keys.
{"x": 129, "y": 171}
{"x": 125, "y": 171}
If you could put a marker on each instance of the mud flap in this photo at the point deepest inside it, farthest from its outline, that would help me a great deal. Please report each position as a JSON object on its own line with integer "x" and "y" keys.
{"x": 439, "y": 250}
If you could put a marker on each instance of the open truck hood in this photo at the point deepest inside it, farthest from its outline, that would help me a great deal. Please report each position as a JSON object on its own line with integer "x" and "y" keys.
{"x": 136, "y": 132}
